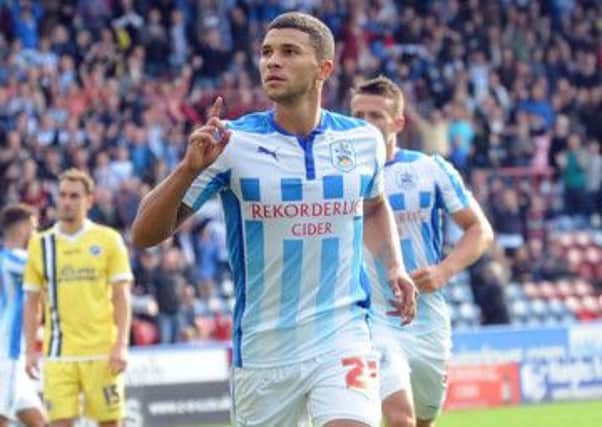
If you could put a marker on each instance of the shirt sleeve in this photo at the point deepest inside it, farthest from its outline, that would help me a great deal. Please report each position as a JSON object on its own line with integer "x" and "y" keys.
{"x": 33, "y": 278}
{"x": 377, "y": 185}
{"x": 450, "y": 183}
{"x": 119, "y": 269}
{"x": 212, "y": 180}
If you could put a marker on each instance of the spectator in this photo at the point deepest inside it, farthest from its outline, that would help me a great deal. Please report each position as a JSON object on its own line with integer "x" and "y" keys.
{"x": 167, "y": 284}
{"x": 593, "y": 177}
{"x": 572, "y": 164}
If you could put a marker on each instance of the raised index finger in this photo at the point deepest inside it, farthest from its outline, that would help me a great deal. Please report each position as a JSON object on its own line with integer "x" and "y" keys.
{"x": 216, "y": 108}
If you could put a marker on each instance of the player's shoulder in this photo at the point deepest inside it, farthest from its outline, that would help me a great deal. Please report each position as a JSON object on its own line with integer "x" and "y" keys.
{"x": 16, "y": 256}
{"x": 439, "y": 162}
{"x": 341, "y": 123}
{"x": 412, "y": 156}
{"x": 255, "y": 123}
{"x": 101, "y": 231}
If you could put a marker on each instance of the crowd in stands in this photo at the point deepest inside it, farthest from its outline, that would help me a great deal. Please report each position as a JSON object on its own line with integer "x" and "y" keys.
{"x": 510, "y": 91}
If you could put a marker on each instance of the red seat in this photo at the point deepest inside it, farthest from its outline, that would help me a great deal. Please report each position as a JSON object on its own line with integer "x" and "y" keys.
{"x": 223, "y": 327}
{"x": 144, "y": 332}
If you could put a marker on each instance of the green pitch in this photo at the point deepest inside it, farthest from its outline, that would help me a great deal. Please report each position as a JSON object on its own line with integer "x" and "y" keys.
{"x": 570, "y": 414}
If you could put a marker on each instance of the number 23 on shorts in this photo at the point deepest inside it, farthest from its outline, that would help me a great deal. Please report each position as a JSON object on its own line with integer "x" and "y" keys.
{"x": 362, "y": 372}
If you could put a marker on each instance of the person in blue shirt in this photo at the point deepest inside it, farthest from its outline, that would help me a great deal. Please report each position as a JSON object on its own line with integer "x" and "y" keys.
{"x": 421, "y": 189}
{"x": 298, "y": 185}
{"x": 18, "y": 395}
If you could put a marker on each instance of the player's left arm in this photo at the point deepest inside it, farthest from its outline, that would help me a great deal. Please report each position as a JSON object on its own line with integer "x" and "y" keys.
{"x": 122, "y": 318}
{"x": 120, "y": 278}
{"x": 468, "y": 215}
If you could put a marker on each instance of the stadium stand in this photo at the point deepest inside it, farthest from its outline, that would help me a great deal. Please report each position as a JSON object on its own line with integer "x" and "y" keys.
{"x": 509, "y": 90}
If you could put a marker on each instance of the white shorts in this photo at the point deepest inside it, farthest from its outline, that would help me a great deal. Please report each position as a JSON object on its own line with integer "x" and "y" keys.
{"x": 17, "y": 391}
{"x": 416, "y": 361}
{"x": 313, "y": 392}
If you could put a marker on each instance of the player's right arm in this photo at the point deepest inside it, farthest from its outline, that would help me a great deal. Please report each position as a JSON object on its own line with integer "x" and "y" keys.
{"x": 33, "y": 283}
{"x": 31, "y": 322}
{"x": 162, "y": 211}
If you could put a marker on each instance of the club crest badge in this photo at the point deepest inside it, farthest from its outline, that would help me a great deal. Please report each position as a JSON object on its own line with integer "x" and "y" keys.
{"x": 342, "y": 156}
{"x": 406, "y": 180}
{"x": 95, "y": 250}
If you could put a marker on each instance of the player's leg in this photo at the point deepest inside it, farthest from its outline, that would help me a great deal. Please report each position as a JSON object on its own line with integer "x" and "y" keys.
{"x": 425, "y": 423}
{"x": 7, "y": 390}
{"x": 28, "y": 406}
{"x": 61, "y": 392}
{"x": 398, "y": 410}
{"x": 31, "y": 417}
{"x": 429, "y": 385}
{"x": 345, "y": 391}
{"x": 270, "y": 397}
{"x": 346, "y": 423}
{"x": 395, "y": 387}
{"x": 67, "y": 422}
{"x": 104, "y": 393}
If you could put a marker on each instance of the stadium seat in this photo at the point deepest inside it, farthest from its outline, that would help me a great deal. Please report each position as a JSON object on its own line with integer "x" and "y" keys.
{"x": 547, "y": 290}
{"x": 144, "y": 332}
{"x": 514, "y": 292}
{"x": 223, "y": 327}
{"x": 531, "y": 290}
{"x": 564, "y": 289}
{"x": 573, "y": 304}
{"x": 582, "y": 287}
{"x": 206, "y": 326}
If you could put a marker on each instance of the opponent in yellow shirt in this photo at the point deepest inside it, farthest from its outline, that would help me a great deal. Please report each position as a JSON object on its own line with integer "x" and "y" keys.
{"x": 81, "y": 270}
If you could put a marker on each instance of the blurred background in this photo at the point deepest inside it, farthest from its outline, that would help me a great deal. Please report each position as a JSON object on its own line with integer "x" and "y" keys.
{"x": 510, "y": 91}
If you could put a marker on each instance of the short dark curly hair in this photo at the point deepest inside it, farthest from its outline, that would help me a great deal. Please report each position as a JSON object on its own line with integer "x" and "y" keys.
{"x": 320, "y": 35}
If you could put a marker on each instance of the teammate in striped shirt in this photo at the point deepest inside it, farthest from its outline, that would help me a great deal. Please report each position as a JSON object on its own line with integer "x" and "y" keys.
{"x": 18, "y": 396}
{"x": 421, "y": 189}
{"x": 298, "y": 186}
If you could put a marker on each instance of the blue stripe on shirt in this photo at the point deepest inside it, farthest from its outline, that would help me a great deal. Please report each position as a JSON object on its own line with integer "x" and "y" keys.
{"x": 219, "y": 182}
{"x": 409, "y": 256}
{"x": 234, "y": 235}
{"x": 254, "y": 244}
{"x": 291, "y": 189}
{"x": 333, "y": 186}
{"x": 454, "y": 179}
{"x": 292, "y": 255}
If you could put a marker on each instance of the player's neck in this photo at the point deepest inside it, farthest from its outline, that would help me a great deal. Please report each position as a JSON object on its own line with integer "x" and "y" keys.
{"x": 299, "y": 118}
{"x": 391, "y": 149}
{"x": 71, "y": 227}
{"x": 14, "y": 242}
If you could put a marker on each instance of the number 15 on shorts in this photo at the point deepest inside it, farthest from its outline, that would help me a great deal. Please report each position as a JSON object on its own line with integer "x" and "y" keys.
{"x": 111, "y": 395}
{"x": 362, "y": 373}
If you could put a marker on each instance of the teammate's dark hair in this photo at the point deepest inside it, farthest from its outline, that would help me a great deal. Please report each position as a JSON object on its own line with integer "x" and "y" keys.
{"x": 14, "y": 214}
{"x": 382, "y": 86}
{"x": 320, "y": 35}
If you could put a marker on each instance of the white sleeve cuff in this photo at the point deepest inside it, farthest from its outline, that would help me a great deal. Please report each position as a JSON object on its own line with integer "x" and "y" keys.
{"x": 31, "y": 288}
{"x": 122, "y": 277}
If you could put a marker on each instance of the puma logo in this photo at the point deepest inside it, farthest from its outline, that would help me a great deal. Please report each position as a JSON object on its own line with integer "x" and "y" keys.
{"x": 264, "y": 150}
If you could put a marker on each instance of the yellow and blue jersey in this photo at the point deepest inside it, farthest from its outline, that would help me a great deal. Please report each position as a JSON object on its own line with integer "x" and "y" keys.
{"x": 76, "y": 273}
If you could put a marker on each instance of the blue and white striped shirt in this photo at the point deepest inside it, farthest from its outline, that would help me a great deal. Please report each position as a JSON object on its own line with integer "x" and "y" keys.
{"x": 420, "y": 189}
{"x": 294, "y": 217}
{"x": 12, "y": 265}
